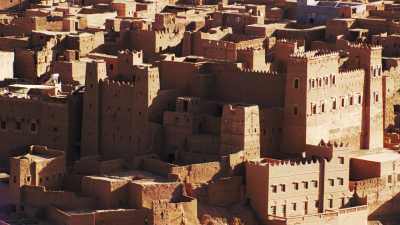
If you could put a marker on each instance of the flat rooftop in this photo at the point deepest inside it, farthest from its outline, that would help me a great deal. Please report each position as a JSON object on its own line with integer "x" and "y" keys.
{"x": 383, "y": 156}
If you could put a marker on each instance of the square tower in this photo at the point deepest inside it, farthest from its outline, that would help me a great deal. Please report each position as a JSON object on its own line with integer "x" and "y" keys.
{"x": 240, "y": 130}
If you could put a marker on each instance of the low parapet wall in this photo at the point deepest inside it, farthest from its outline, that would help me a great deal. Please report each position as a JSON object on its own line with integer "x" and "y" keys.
{"x": 98, "y": 217}
{"x": 194, "y": 173}
{"x": 354, "y": 215}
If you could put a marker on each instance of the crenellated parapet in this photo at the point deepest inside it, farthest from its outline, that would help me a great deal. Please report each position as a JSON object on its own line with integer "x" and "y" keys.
{"x": 315, "y": 54}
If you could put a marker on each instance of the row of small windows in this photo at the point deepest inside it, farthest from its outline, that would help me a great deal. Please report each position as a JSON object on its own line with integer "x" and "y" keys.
{"x": 27, "y": 179}
{"x": 318, "y": 82}
{"x": 305, "y": 185}
{"x": 18, "y": 125}
{"x": 296, "y": 186}
{"x": 390, "y": 178}
{"x": 351, "y": 100}
{"x": 294, "y": 206}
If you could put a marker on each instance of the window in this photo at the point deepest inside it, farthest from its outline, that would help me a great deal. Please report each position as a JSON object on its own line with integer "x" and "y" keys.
{"x": 319, "y": 82}
{"x": 314, "y": 109}
{"x": 296, "y": 83}
{"x": 315, "y": 183}
{"x": 334, "y": 104}
{"x": 343, "y": 102}
{"x": 305, "y": 207}
{"x": 296, "y": 186}
{"x": 390, "y": 179}
{"x": 376, "y": 97}
{"x": 3, "y": 125}
{"x": 341, "y": 181}
{"x": 273, "y": 210}
{"x": 283, "y": 187}
{"x": 305, "y": 184}
{"x": 323, "y": 107}
{"x": 316, "y": 204}
{"x": 341, "y": 160}
{"x": 351, "y": 100}
{"x": 331, "y": 182}
{"x": 312, "y": 83}
{"x": 359, "y": 99}
{"x": 294, "y": 206}
{"x": 18, "y": 125}
{"x": 295, "y": 111}
{"x": 28, "y": 178}
{"x": 274, "y": 188}
{"x": 284, "y": 210}
{"x": 342, "y": 202}
{"x": 33, "y": 127}
{"x": 330, "y": 201}
{"x": 333, "y": 80}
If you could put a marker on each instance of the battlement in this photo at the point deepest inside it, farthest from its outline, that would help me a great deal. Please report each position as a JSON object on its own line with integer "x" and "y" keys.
{"x": 262, "y": 73}
{"x": 107, "y": 83}
{"x": 285, "y": 163}
{"x": 334, "y": 144}
{"x": 365, "y": 46}
{"x": 350, "y": 72}
{"x": 315, "y": 54}
{"x": 220, "y": 44}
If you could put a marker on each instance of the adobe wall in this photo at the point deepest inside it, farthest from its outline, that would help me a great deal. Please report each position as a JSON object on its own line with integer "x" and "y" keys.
{"x": 358, "y": 171}
{"x": 141, "y": 194}
{"x": 267, "y": 88}
{"x": 116, "y": 115}
{"x": 42, "y": 122}
{"x": 271, "y": 125}
{"x": 257, "y": 184}
{"x": 380, "y": 195}
{"x": 327, "y": 122}
{"x": 109, "y": 192}
{"x": 70, "y": 71}
{"x": 40, "y": 198}
{"x": 7, "y": 65}
{"x": 225, "y": 191}
{"x": 120, "y": 216}
{"x": 184, "y": 212}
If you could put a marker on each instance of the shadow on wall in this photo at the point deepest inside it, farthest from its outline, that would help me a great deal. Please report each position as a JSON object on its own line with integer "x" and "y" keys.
{"x": 390, "y": 208}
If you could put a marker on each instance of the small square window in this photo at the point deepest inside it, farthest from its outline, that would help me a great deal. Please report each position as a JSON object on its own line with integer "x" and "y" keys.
{"x": 296, "y": 186}
{"x": 331, "y": 182}
{"x": 305, "y": 184}
{"x": 274, "y": 188}
{"x": 283, "y": 187}
{"x": 294, "y": 206}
